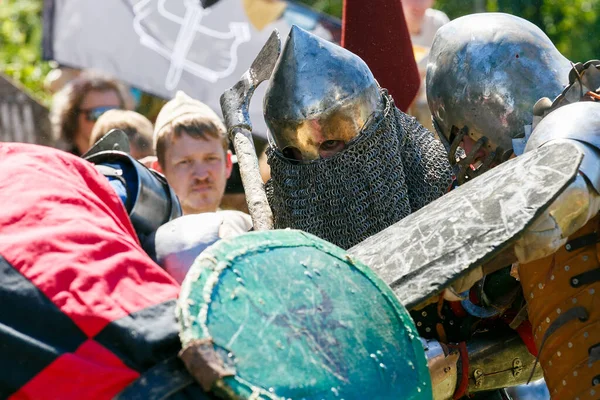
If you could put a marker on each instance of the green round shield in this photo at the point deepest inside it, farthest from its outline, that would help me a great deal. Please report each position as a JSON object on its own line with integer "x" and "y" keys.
{"x": 283, "y": 314}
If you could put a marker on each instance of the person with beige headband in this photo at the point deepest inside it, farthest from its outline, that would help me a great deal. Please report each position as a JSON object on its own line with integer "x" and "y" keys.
{"x": 191, "y": 147}
{"x": 192, "y": 151}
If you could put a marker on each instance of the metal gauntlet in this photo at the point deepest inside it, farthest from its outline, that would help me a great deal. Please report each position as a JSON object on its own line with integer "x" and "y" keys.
{"x": 485, "y": 363}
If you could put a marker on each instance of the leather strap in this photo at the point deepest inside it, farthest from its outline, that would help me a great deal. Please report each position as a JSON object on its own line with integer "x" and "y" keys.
{"x": 586, "y": 278}
{"x": 463, "y": 384}
{"x": 581, "y": 241}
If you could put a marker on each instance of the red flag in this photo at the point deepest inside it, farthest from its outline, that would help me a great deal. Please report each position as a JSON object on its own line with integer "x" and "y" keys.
{"x": 378, "y": 34}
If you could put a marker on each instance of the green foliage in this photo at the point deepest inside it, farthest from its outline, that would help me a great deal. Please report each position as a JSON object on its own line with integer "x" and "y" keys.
{"x": 20, "y": 45}
{"x": 573, "y": 25}
{"x": 455, "y": 8}
{"x": 331, "y": 7}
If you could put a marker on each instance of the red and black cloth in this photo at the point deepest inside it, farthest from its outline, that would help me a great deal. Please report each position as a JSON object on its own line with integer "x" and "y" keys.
{"x": 83, "y": 310}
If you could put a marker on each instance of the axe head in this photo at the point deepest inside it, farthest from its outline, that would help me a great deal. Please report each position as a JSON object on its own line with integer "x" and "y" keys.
{"x": 236, "y": 101}
{"x": 264, "y": 63}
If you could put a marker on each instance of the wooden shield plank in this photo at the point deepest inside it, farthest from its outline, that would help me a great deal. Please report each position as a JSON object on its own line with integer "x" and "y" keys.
{"x": 22, "y": 119}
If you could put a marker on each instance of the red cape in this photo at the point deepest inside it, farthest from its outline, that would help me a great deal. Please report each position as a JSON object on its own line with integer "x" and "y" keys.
{"x": 80, "y": 297}
{"x": 376, "y": 31}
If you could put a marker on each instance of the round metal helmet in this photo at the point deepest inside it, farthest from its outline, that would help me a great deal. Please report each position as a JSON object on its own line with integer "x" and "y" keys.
{"x": 580, "y": 124}
{"x": 320, "y": 97}
{"x": 485, "y": 73}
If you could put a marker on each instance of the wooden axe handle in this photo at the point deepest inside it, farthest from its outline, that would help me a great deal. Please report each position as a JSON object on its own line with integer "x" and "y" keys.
{"x": 256, "y": 197}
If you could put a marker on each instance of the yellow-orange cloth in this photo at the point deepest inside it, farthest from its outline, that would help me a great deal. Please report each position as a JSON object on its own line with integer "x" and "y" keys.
{"x": 569, "y": 370}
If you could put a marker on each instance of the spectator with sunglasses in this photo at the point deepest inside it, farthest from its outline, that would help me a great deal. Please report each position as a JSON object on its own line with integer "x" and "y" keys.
{"x": 77, "y": 107}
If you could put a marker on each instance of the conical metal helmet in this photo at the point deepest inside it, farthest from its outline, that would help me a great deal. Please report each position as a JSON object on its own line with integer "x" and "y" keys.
{"x": 320, "y": 97}
{"x": 485, "y": 73}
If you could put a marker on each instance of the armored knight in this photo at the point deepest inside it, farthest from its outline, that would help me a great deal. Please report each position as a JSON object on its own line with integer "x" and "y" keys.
{"x": 561, "y": 289}
{"x": 486, "y": 72}
{"x": 345, "y": 162}
{"x": 501, "y": 75}
{"x": 70, "y": 259}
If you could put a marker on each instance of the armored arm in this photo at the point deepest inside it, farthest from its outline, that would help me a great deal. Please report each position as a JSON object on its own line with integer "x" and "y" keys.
{"x": 577, "y": 124}
{"x": 486, "y": 362}
{"x": 177, "y": 243}
{"x": 149, "y": 200}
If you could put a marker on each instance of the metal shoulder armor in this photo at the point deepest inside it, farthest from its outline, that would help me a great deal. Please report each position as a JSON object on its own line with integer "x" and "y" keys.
{"x": 150, "y": 200}
{"x": 578, "y": 123}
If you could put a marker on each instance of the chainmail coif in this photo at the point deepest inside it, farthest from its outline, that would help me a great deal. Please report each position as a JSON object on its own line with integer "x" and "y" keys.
{"x": 393, "y": 168}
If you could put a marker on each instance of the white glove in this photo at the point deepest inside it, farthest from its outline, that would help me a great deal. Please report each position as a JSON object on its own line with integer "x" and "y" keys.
{"x": 234, "y": 223}
{"x": 178, "y": 242}
{"x": 540, "y": 240}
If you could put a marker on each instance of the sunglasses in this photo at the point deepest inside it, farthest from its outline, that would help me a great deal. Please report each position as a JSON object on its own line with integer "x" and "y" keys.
{"x": 92, "y": 114}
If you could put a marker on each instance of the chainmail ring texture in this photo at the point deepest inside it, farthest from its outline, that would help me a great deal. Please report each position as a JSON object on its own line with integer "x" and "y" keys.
{"x": 393, "y": 168}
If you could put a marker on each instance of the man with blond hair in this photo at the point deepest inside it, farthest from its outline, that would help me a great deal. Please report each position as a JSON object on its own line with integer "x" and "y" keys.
{"x": 192, "y": 150}
{"x": 139, "y": 130}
